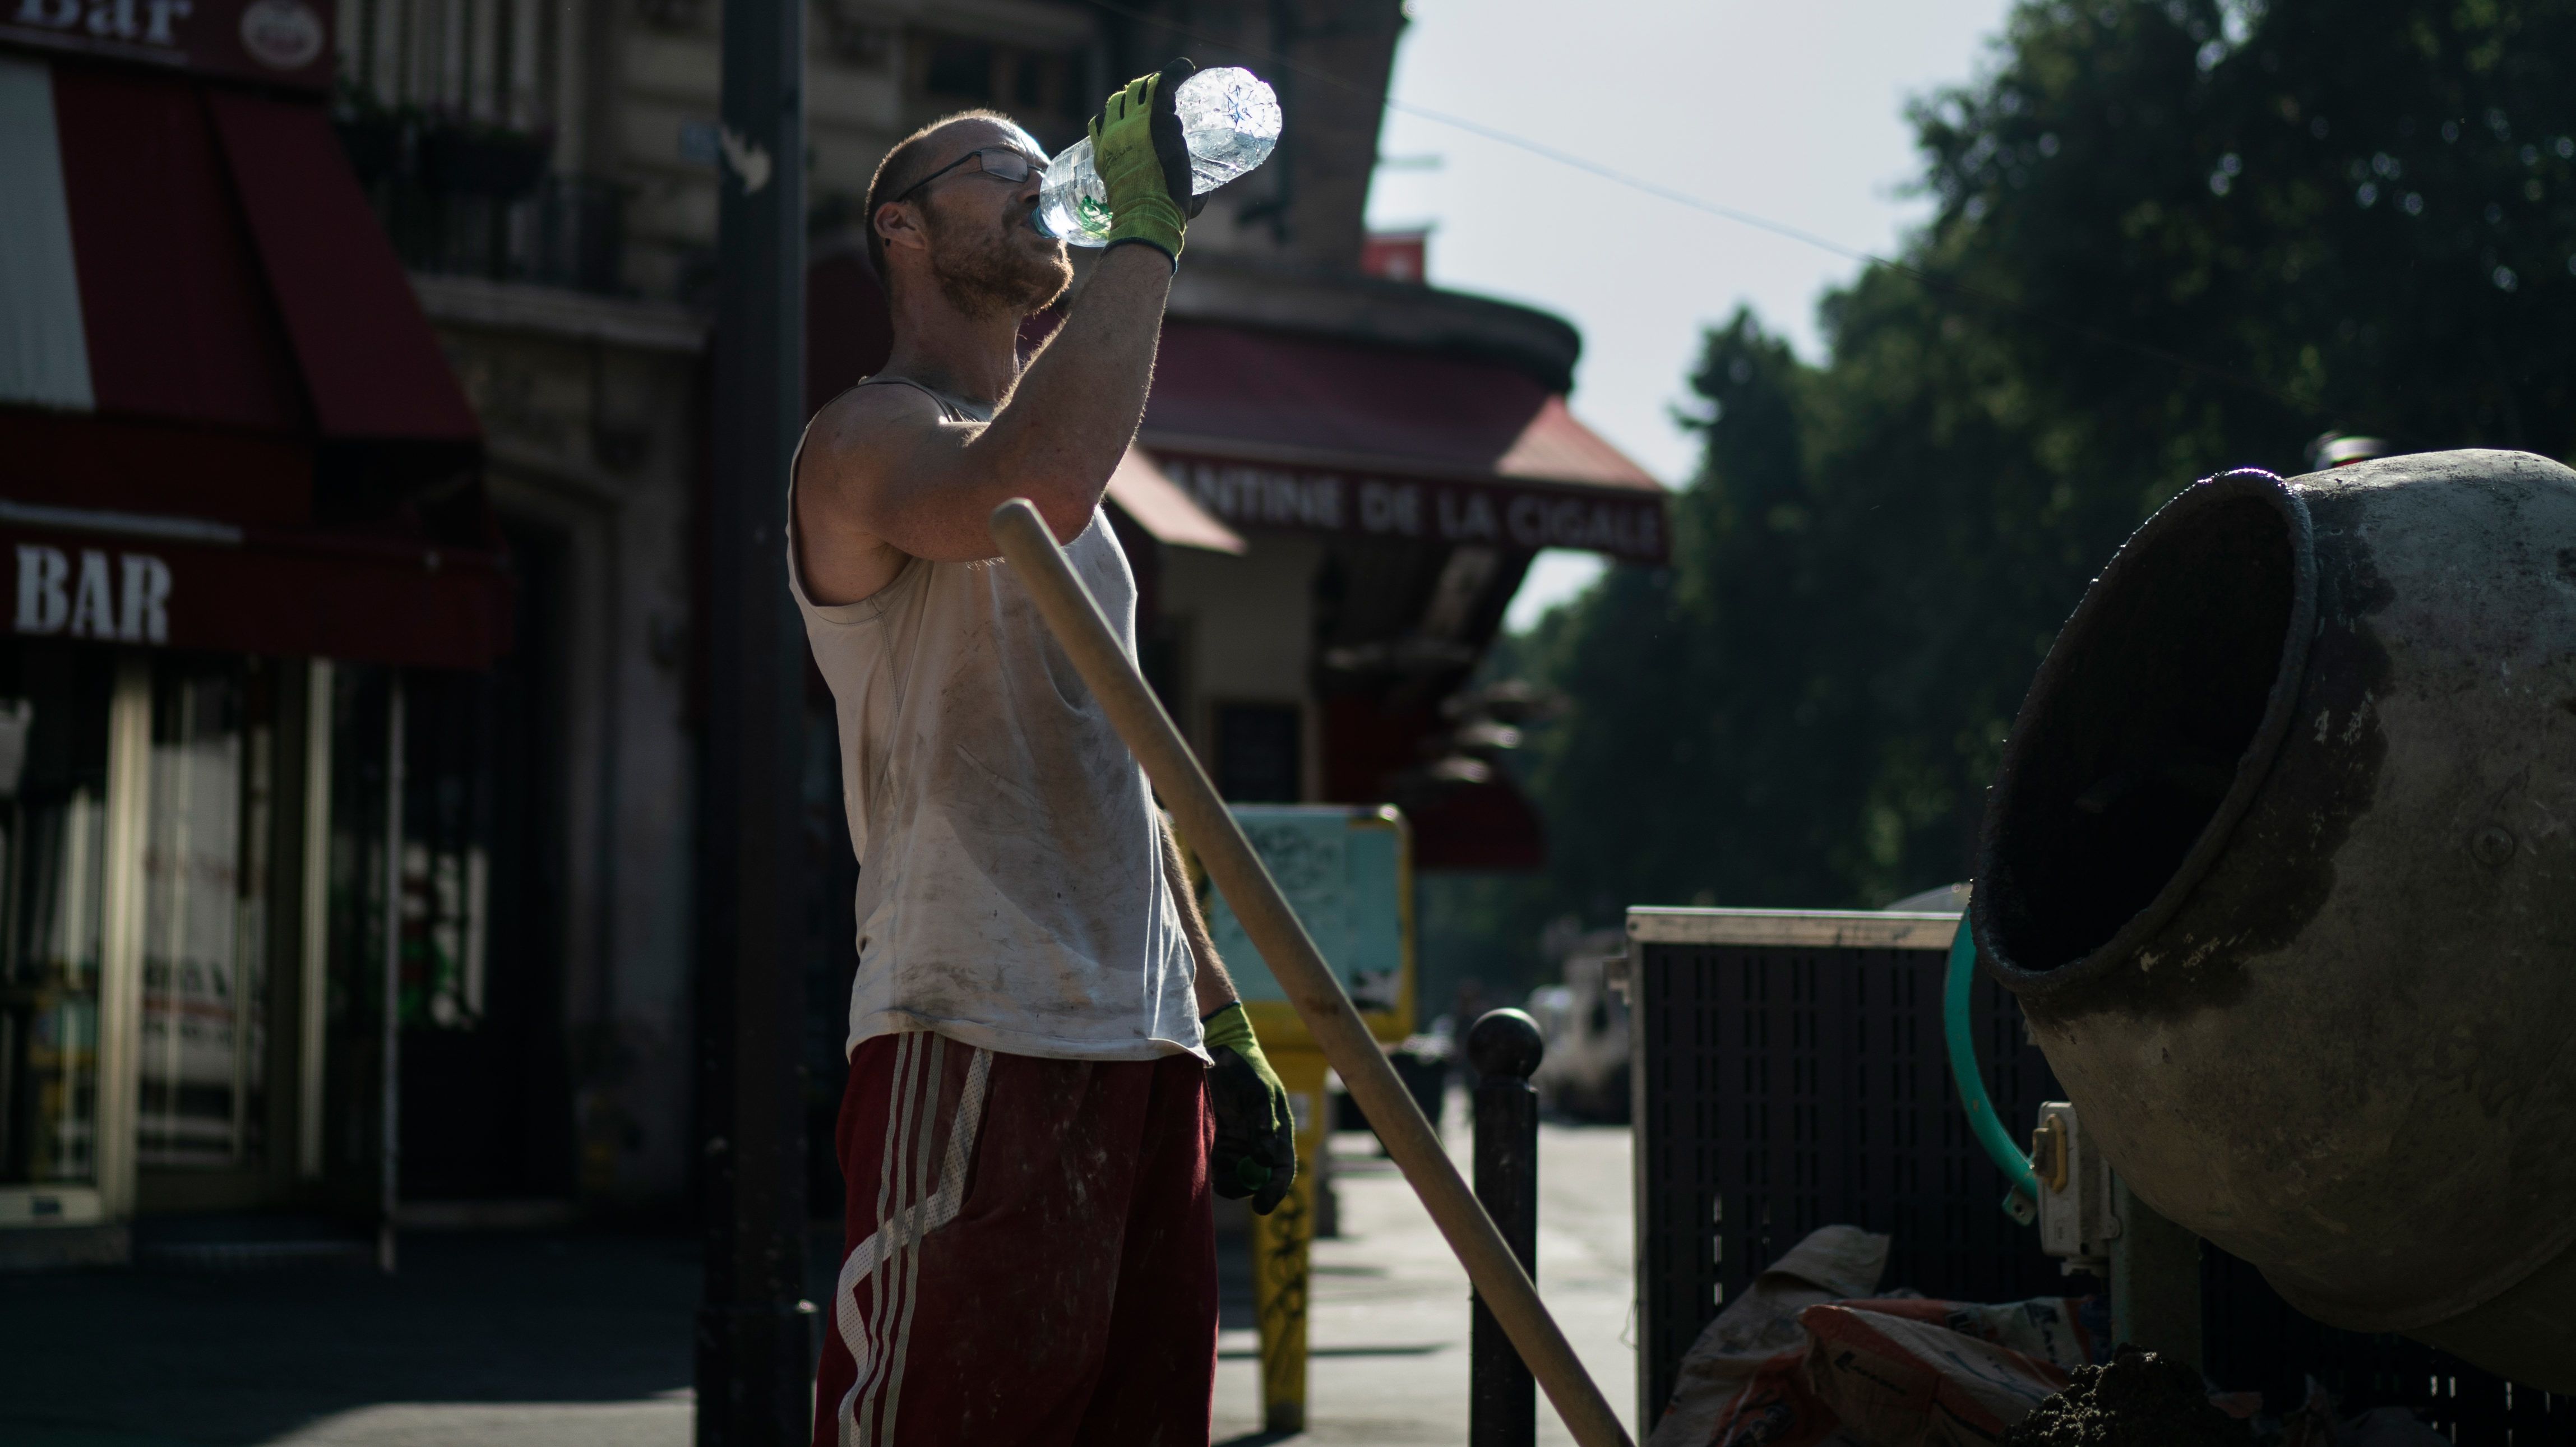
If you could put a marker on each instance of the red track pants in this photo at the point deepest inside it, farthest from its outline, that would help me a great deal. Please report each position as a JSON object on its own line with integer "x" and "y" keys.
{"x": 1031, "y": 1258}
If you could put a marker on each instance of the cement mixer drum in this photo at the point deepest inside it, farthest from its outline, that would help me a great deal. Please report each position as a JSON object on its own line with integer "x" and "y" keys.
{"x": 2281, "y": 863}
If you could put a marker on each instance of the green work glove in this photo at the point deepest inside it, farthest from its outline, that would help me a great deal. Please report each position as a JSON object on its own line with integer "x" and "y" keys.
{"x": 1144, "y": 166}
{"x": 1256, "y": 1134}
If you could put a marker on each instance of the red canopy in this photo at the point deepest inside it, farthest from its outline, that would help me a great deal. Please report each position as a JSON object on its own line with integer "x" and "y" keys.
{"x": 1220, "y": 387}
{"x": 1269, "y": 429}
{"x": 207, "y": 320}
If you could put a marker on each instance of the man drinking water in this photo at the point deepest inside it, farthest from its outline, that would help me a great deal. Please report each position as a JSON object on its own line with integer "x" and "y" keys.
{"x": 1049, "y": 1069}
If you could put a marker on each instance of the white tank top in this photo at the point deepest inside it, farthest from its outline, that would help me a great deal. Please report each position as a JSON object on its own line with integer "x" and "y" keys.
{"x": 1011, "y": 891}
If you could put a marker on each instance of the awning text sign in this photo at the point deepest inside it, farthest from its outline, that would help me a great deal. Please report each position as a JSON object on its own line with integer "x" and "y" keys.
{"x": 1623, "y": 523}
{"x": 77, "y": 591}
{"x": 365, "y": 604}
{"x": 275, "y": 42}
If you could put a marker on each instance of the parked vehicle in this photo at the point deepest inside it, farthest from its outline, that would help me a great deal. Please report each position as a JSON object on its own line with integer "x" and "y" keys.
{"x": 1584, "y": 1075}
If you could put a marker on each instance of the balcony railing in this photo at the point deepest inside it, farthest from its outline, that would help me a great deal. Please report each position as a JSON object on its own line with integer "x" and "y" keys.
{"x": 474, "y": 200}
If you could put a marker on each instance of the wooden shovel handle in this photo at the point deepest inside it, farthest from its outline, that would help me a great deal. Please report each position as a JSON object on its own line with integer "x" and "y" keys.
{"x": 1075, "y": 619}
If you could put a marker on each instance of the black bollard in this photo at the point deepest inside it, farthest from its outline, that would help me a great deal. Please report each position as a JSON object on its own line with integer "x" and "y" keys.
{"x": 1504, "y": 1046}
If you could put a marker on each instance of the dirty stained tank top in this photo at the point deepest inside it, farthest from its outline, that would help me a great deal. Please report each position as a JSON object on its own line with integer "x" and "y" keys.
{"x": 1011, "y": 891}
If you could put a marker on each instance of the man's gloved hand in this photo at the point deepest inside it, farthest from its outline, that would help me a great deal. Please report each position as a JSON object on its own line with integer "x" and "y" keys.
{"x": 1136, "y": 146}
{"x": 1256, "y": 1135}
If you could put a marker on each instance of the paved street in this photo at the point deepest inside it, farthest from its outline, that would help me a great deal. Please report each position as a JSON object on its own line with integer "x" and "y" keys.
{"x": 571, "y": 1341}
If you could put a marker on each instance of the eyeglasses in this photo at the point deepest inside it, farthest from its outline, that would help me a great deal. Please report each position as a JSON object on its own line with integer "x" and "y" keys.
{"x": 1007, "y": 164}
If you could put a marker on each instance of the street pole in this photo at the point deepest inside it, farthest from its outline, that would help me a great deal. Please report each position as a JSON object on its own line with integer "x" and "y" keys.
{"x": 389, "y": 1058}
{"x": 754, "y": 1331}
{"x": 1504, "y": 1046}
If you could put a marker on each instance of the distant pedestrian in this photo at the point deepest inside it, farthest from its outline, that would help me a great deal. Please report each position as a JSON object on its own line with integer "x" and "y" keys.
{"x": 1049, "y": 1069}
{"x": 1463, "y": 1015}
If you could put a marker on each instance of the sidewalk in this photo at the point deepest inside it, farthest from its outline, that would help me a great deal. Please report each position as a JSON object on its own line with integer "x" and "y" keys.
{"x": 584, "y": 1340}
{"x": 1388, "y": 1318}
{"x": 571, "y": 1341}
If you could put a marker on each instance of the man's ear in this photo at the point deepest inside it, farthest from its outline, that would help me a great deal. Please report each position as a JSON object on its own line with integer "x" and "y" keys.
{"x": 898, "y": 227}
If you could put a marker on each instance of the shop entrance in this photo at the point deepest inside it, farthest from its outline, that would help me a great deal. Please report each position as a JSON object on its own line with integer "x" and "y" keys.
{"x": 53, "y": 823}
{"x": 486, "y": 1085}
{"x": 214, "y": 1085}
{"x": 151, "y": 839}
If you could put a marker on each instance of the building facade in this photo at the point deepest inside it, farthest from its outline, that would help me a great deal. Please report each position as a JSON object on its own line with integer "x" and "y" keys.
{"x": 241, "y": 503}
{"x": 463, "y": 853}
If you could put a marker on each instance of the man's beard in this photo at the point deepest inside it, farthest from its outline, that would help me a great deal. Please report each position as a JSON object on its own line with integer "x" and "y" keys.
{"x": 990, "y": 273}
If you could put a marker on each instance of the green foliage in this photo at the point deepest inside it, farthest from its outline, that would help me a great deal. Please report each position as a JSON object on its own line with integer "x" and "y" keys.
{"x": 2170, "y": 238}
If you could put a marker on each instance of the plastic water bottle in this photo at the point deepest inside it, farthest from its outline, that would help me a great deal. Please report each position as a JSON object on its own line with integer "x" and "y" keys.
{"x": 1229, "y": 121}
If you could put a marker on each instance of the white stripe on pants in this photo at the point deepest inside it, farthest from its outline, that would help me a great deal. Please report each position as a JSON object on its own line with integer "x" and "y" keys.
{"x": 889, "y": 1260}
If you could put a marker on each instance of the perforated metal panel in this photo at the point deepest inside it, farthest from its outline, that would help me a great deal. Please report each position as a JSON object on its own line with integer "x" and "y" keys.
{"x": 1789, "y": 1073}
{"x": 2252, "y": 1340}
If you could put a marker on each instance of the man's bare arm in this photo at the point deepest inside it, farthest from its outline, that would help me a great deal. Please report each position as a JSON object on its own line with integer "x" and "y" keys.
{"x": 928, "y": 488}
{"x": 1215, "y": 987}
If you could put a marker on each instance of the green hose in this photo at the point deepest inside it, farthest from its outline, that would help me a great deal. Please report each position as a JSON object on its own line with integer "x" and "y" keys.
{"x": 2022, "y": 1201}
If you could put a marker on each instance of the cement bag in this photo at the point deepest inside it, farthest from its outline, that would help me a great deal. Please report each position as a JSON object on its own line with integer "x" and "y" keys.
{"x": 1795, "y": 1363}
{"x": 1897, "y": 1373}
{"x": 1831, "y": 1264}
{"x": 2064, "y": 1331}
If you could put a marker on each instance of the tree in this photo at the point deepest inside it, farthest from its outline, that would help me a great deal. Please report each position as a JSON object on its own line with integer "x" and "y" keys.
{"x": 2170, "y": 237}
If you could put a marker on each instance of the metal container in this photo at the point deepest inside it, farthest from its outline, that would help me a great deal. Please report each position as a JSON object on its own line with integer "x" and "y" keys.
{"x": 2280, "y": 866}
{"x": 1788, "y": 1073}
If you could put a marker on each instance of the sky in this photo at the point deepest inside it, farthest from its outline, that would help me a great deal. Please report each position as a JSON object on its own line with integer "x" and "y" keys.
{"x": 1792, "y": 112}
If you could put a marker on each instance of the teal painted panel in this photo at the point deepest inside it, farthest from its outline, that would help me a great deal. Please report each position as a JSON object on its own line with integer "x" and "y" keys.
{"x": 1341, "y": 871}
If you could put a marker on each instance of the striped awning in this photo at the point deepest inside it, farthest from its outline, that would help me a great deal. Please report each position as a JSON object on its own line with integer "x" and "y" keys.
{"x": 215, "y": 383}
{"x": 189, "y": 252}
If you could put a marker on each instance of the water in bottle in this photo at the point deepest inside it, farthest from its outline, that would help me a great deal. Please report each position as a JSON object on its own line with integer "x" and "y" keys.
{"x": 1229, "y": 122}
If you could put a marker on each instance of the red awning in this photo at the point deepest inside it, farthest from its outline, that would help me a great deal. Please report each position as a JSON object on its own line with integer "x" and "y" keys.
{"x": 214, "y": 262}
{"x": 1254, "y": 392}
{"x": 1163, "y": 510}
{"x": 202, "y": 319}
{"x": 1268, "y": 429}
{"x": 371, "y": 365}
{"x": 1487, "y": 828}
{"x": 1372, "y": 750}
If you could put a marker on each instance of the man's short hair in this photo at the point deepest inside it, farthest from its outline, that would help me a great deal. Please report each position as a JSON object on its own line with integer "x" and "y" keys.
{"x": 903, "y": 168}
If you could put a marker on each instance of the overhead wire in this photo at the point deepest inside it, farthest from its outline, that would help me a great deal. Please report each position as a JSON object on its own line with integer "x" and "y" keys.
{"x": 1754, "y": 220}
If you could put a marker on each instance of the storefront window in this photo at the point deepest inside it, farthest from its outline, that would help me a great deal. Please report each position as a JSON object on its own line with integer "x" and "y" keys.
{"x": 475, "y": 961}
{"x": 443, "y": 909}
{"x": 53, "y": 828}
{"x": 446, "y": 864}
{"x": 205, "y": 886}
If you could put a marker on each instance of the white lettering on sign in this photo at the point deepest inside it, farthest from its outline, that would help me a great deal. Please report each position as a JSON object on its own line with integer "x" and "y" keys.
{"x": 146, "y": 615}
{"x": 43, "y": 606}
{"x": 1627, "y": 526}
{"x": 1389, "y": 507}
{"x": 1467, "y": 519}
{"x": 149, "y": 21}
{"x": 1272, "y": 496}
{"x": 1538, "y": 522}
{"x": 92, "y": 604}
{"x": 93, "y": 611}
